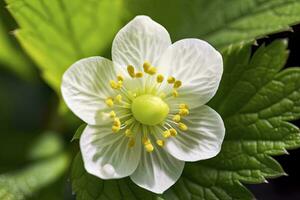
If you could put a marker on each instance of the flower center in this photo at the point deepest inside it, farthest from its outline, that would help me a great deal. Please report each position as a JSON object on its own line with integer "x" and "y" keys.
{"x": 149, "y": 109}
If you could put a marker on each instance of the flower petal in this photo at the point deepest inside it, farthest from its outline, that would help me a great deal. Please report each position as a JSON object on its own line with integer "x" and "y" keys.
{"x": 198, "y": 65}
{"x": 157, "y": 171}
{"x": 142, "y": 39}
{"x": 203, "y": 139}
{"x": 106, "y": 154}
{"x": 85, "y": 86}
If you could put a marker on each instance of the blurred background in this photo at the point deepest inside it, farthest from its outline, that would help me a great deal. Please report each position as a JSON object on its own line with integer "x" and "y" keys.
{"x": 28, "y": 107}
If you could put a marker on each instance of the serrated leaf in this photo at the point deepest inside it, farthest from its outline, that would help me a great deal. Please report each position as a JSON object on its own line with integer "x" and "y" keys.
{"x": 220, "y": 22}
{"x": 255, "y": 101}
{"x": 21, "y": 184}
{"x": 57, "y": 33}
{"x": 89, "y": 187}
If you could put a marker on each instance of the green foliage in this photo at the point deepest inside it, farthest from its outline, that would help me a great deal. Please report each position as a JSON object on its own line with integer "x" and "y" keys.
{"x": 221, "y": 22}
{"x": 57, "y": 33}
{"x": 24, "y": 183}
{"x": 255, "y": 101}
{"x": 11, "y": 56}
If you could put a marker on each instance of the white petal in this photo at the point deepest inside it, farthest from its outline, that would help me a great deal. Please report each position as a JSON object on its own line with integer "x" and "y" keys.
{"x": 142, "y": 39}
{"x": 85, "y": 86}
{"x": 157, "y": 171}
{"x": 106, "y": 154}
{"x": 198, "y": 65}
{"x": 203, "y": 139}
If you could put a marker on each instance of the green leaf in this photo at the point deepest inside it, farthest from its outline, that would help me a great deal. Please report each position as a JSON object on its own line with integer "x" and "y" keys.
{"x": 89, "y": 187}
{"x": 255, "y": 100}
{"x": 11, "y": 56}
{"x": 22, "y": 184}
{"x": 57, "y": 33}
{"x": 220, "y": 22}
{"x": 78, "y": 132}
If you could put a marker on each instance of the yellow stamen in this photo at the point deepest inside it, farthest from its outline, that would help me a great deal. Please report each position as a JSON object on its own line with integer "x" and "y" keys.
{"x": 109, "y": 101}
{"x": 160, "y": 78}
{"x": 114, "y": 84}
{"x": 139, "y": 75}
{"x": 166, "y": 134}
{"x": 171, "y": 79}
{"x": 173, "y": 132}
{"x": 183, "y": 112}
{"x": 131, "y": 142}
{"x": 148, "y": 146}
{"x": 177, "y": 84}
{"x": 183, "y": 105}
{"x": 115, "y": 129}
{"x": 182, "y": 126}
{"x": 176, "y": 118}
{"x": 117, "y": 121}
{"x": 120, "y": 78}
{"x": 128, "y": 133}
{"x": 130, "y": 70}
{"x": 118, "y": 98}
{"x": 146, "y": 66}
{"x": 160, "y": 143}
{"x": 175, "y": 93}
{"x": 151, "y": 71}
{"x": 112, "y": 114}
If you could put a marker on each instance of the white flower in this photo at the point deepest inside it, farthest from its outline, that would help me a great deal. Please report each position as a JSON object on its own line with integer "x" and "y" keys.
{"x": 145, "y": 109}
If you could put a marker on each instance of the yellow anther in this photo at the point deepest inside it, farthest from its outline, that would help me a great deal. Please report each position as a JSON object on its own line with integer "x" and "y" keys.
{"x": 118, "y": 98}
{"x": 115, "y": 129}
{"x": 109, "y": 101}
{"x": 171, "y": 79}
{"x": 130, "y": 70}
{"x": 166, "y": 134}
{"x": 149, "y": 147}
{"x": 114, "y": 84}
{"x": 182, "y": 126}
{"x": 131, "y": 142}
{"x": 177, "y": 84}
{"x": 146, "y": 66}
{"x": 173, "y": 132}
{"x": 117, "y": 121}
{"x": 119, "y": 84}
{"x": 139, "y": 74}
{"x": 120, "y": 78}
{"x": 151, "y": 71}
{"x": 176, "y": 118}
{"x": 160, "y": 143}
{"x": 183, "y": 105}
{"x": 128, "y": 133}
{"x": 175, "y": 93}
{"x": 183, "y": 112}
{"x": 112, "y": 114}
{"x": 160, "y": 78}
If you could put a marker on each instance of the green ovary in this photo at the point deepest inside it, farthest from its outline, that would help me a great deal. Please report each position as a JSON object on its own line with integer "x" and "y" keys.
{"x": 149, "y": 109}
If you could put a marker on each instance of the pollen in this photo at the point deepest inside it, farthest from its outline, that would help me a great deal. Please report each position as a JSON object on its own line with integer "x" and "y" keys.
{"x": 139, "y": 75}
{"x": 171, "y": 80}
{"x": 175, "y": 93}
{"x": 159, "y": 78}
{"x": 128, "y": 133}
{"x": 117, "y": 121}
{"x": 115, "y": 129}
{"x": 176, "y": 118}
{"x": 173, "y": 132}
{"x": 120, "y": 78}
{"x": 160, "y": 143}
{"x": 182, "y": 126}
{"x": 166, "y": 134}
{"x": 112, "y": 114}
{"x": 177, "y": 84}
{"x": 183, "y": 105}
{"x": 147, "y": 144}
{"x": 183, "y": 112}
{"x": 118, "y": 98}
{"x": 146, "y": 66}
{"x": 109, "y": 102}
{"x": 151, "y": 71}
{"x": 114, "y": 84}
{"x": 130, "y": 70}
{"x": 131, "y": 142}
